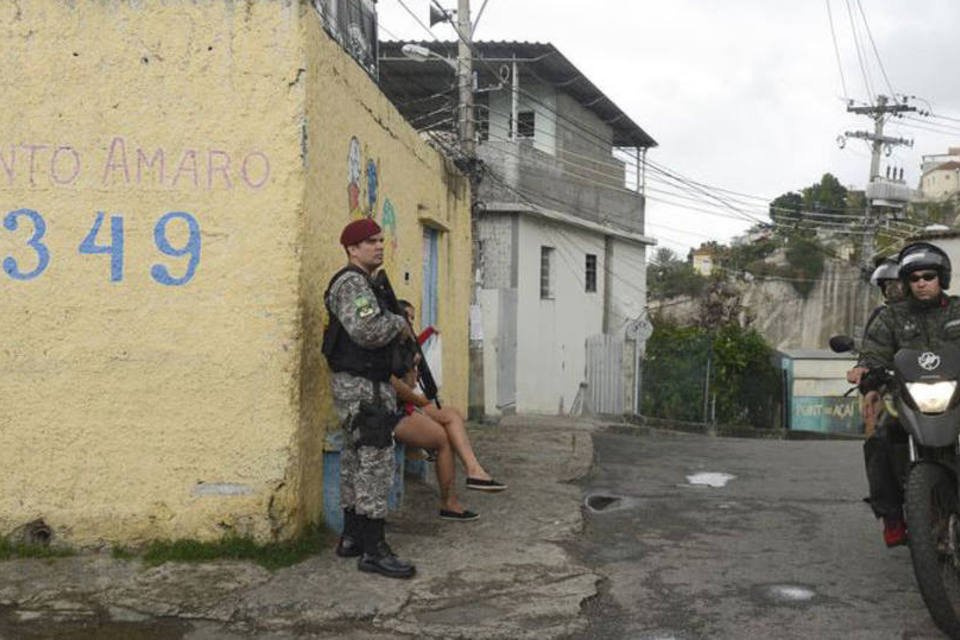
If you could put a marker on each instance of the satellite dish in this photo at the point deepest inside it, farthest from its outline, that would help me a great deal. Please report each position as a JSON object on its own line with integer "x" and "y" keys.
{"x": 436, "y": 15}
{"x": 504, "y": 73}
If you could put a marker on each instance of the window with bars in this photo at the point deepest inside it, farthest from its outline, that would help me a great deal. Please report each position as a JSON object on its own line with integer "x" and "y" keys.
{"x": 590, "y": 274}
{"x": 546, "y": 273}
{"x": 526, "y": 124}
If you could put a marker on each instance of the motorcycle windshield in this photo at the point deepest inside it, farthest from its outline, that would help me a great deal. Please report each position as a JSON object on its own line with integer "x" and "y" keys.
{"x": 933, "y": 365}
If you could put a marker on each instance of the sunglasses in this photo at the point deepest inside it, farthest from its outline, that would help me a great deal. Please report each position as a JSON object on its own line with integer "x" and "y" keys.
{"x": 927, "y": 277}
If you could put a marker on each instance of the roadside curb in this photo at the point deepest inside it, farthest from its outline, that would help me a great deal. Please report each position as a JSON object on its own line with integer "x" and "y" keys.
{"x": 646, "y": 424}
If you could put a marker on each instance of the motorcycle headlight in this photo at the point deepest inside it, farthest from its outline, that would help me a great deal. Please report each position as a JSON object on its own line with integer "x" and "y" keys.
{"x": 932, "y": 397}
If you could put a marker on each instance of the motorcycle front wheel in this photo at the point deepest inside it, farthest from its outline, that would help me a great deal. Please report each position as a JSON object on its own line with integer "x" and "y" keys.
{"x": 933, "y": 524}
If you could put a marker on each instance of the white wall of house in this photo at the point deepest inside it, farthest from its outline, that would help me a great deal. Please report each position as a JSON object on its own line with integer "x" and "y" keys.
{"x": 551, "y": 333}
{"x": 626, "y": 277}
{"x": 533, "y": 348}
{"x": 940, "y": 184}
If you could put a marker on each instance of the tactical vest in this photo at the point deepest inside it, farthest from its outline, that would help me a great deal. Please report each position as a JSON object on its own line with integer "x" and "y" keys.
{"x": 343, "y": 354}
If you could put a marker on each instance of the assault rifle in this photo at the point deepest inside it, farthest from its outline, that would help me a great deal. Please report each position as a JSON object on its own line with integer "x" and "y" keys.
{"x": 424, "y": 375}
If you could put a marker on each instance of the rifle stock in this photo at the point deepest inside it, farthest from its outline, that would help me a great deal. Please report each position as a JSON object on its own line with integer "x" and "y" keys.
{"x": 424, "y": 375}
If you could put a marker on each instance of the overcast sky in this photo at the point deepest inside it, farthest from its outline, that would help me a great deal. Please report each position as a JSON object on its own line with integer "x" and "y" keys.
{"x": 744, "y": 95}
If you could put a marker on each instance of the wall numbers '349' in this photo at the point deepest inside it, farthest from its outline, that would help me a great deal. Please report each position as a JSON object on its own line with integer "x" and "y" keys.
{"x": 109, "y": 242}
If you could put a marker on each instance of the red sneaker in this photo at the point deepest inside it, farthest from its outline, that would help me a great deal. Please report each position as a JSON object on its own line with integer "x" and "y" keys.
{"x": 895, "y": 532}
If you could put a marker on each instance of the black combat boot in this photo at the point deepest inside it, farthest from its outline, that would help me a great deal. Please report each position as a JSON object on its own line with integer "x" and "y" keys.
{"x": 377, "y": 556}
{"x": 351, "y": 544}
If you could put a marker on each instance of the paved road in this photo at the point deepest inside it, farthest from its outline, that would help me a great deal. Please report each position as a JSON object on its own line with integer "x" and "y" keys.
{"x": 786, "y": 549}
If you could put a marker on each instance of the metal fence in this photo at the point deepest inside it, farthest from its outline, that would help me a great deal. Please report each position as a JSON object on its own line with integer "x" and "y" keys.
{"x": 683, "y": 381}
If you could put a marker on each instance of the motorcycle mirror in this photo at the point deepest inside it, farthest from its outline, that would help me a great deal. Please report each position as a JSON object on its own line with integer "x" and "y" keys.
{"x": 841, "y": 344}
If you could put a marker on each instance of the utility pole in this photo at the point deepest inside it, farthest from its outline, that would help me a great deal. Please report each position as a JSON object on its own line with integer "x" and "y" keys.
{"x": 465, "y": 79}
{"x": 879, "y": 112}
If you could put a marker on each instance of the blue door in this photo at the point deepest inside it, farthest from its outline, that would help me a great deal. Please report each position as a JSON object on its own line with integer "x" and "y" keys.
{"x": 431, "y": 262}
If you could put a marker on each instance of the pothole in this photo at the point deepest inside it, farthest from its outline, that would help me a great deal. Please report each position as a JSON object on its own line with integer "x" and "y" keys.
{"x": 599, "y": 502}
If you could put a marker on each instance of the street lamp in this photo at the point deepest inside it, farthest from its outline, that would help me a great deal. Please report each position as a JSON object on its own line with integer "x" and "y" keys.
{"x": 422, "y": 54}
{"x": 462, "y": 66}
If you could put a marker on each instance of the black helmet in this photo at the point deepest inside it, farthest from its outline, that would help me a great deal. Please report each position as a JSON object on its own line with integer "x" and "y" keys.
{"x": 886, "y": 270}
{"x": 923, "y": 255}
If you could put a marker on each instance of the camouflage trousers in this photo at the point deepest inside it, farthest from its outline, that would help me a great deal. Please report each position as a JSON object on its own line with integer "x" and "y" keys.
{"x": 366, "y": 473}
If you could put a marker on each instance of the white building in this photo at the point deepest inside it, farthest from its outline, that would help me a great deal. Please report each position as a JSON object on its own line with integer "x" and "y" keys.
{"x": 940, "y": 179}
{"x": 559, "y": 235}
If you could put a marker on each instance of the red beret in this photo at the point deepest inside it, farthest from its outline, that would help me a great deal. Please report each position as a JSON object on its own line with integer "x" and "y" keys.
{"x": 358, "y": 231}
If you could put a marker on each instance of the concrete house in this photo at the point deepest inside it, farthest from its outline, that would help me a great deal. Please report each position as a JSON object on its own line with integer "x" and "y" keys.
{"x": 559, "y": 243}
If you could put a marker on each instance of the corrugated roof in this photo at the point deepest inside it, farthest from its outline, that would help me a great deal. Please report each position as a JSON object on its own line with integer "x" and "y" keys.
{"x": 410, "y": 83}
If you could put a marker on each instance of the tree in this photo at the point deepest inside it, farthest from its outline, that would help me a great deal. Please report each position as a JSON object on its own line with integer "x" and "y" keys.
{"x": 787, "y": 210}
{"x": 826, "y": 199}
{"x": 821, "y": 205}
{"x": 668, "y": 276}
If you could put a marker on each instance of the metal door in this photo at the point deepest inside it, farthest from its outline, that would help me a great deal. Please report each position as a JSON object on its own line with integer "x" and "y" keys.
{"x": 605, "y": 369}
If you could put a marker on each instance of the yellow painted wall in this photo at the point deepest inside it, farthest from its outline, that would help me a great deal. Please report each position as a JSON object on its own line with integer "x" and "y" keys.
{"x": 354, "y": 133}
{"x": 135, "y": 406}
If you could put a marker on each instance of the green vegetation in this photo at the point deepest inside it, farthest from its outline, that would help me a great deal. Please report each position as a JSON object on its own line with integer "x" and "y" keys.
{"x": 668, "y": 276}
{"x": 273, "y": 555}
{"x": 824, "y": 204}
{"x": 743, "y": 379}
{"x": 122, "y": 553}
{"x": 10, "y": 550}
{"x": 805, "y": 260}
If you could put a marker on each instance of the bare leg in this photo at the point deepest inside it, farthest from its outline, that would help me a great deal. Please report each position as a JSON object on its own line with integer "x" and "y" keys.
{"x": 418, "y": 430}
{"x": 452, "y": 421}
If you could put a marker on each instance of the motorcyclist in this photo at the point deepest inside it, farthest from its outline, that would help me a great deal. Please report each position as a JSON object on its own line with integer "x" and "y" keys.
{"x": 885, "y": 276}
{"x": 925, "y": 319}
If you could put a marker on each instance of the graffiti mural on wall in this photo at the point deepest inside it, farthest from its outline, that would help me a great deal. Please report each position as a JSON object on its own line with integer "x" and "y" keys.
{"x": 389, "y": 224}
{"x": 364, "y": 190}
{"x": 353, "y": 178}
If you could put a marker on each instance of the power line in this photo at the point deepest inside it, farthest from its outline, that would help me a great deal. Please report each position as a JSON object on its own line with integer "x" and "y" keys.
{"x": 808, "y": 219}
{"x": 476, "y": 21}
{"x": 419, "y": 21}
{"x": 836, "y": 49}
{"x": 706, "y": 196}
{"x": 934, "y": 115}
{"x": 874, "y": 45}
{"x": 856, "y": 44}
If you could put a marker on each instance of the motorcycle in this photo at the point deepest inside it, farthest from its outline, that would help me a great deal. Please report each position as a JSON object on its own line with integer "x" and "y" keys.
{"x": 920, "y": 392}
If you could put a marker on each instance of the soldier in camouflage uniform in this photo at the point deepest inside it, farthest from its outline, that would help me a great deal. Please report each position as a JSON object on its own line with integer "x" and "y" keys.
{"x": 360, "y": 344}
{"x": 926, "y": 319}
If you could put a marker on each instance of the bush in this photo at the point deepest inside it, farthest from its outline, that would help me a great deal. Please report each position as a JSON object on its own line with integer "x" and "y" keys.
{"x": 742, "y": 377}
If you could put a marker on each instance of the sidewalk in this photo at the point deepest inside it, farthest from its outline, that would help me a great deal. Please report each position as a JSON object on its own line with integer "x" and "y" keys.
{"x": 505, "y": 575}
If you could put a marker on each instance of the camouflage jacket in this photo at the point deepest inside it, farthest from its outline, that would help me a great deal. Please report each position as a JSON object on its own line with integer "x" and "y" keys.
{"x": 352, "y": 299}
{"x": 910, "y": 325}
